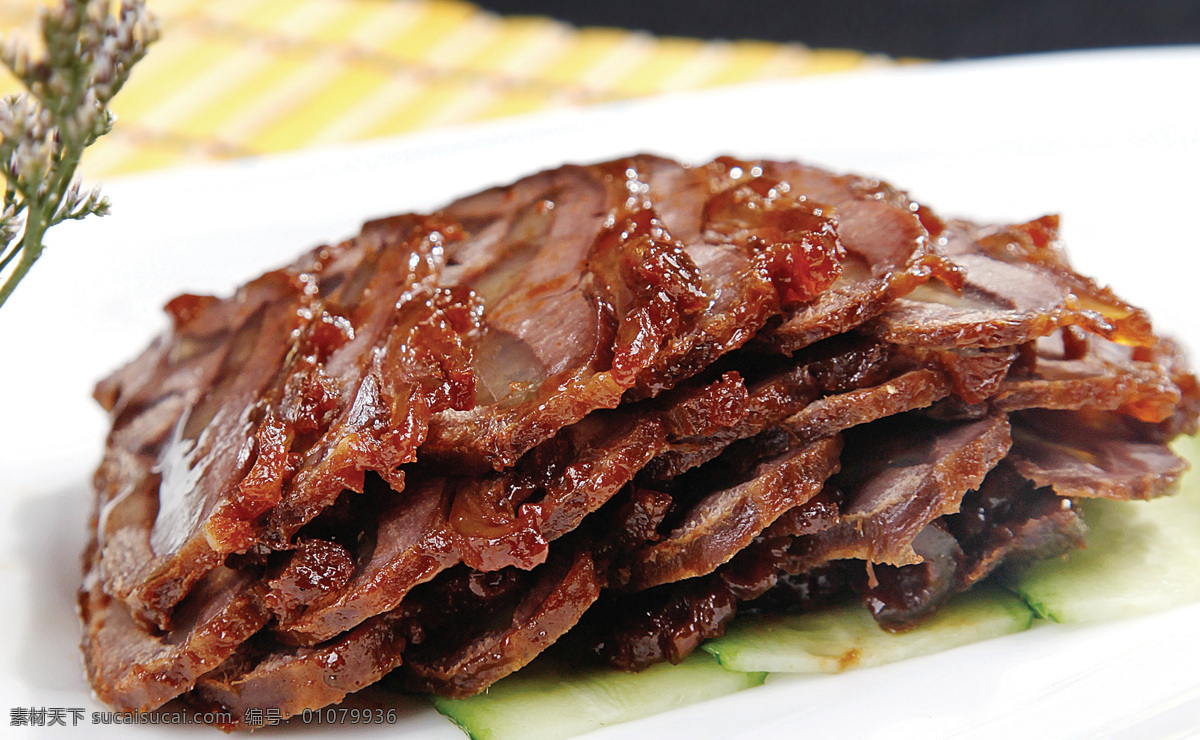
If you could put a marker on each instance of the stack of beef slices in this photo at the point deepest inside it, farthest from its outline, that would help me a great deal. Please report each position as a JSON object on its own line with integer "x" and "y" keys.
{"x": 622, "y": 402}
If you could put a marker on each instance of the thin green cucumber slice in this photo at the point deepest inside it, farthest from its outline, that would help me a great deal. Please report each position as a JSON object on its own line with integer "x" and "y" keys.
{"x": 1141, "y": 557}
{"x": 834, "y": 640}
{"x": 546, "y": 701}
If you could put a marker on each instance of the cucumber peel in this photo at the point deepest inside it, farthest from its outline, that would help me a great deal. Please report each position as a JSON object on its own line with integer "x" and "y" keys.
{"x": 847, "y": 637}
{"x": 546, "y": 701}
{"x": 1141, "y": 557}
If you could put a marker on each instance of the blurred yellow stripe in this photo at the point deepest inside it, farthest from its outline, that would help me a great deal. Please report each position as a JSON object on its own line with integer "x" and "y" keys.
{"x": 177, "y": 59}
{"x": 349, "y": 19}
{"x": 263, "y": 17}
{"x": 296, "y": 125}
{"x": 588, "y": 46}
{"x": 665, "y": 58}
{"x": 245, "y": 90}
{"x": 417, "y": 108}
{"x": 235, "y": 77}
{"x": 745, "y": 62}
{"x": 439, "y": 19}
{"x": 826, "y": 61}
{"x": 122, "y": 156}
{"x": 518, "y": 102}
{"x": 509, "y": 39}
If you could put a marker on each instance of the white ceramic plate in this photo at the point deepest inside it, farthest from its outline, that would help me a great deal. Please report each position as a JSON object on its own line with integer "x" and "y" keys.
{"x": 1109, "y": 140}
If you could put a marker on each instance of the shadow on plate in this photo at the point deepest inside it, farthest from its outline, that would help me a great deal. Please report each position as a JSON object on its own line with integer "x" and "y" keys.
{"x": 52, "y": 533}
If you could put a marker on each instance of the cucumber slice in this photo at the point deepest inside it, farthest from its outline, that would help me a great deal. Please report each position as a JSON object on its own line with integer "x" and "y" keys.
{"x": 834, "y": 640}
{"x": 545, "y": 701}
{"x": 1141, "y": 557}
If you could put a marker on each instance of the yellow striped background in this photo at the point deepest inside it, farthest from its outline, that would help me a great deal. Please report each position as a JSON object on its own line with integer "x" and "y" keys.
{"x": 242, "y": 77}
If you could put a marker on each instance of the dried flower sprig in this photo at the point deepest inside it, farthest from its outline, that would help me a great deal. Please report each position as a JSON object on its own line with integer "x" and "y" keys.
{"x": 87, "y": 57}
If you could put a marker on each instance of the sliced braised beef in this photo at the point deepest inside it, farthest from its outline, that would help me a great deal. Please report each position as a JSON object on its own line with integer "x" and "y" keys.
{"x": 315, "y": 568}
{"x": 1073, "y": 370}
{"x": 588, "y": 291}
{"x": 897, "y": 596}
{"x": 497, "y": 520}
{"x": 750, "y": 231}
{"x": 1014, "y": 292}
{"x": 1010, "y": 518}
{"x": 292, "y": 680}
{"x": 909, "y": 472}
{"x": 1094, "y": 454}
{"x": 615, "y": 404}
{"x": 887, "y": 237}
{"x": 333, "y": 370}
{"x": 635, "y": 631}
{"x": 475, "y": 647}
{"x": 407, "y": 546}
{"x": 913, "y": 390}
{"x": 724, "y": 521}
{"x": 779, "y": 388}
{"x": 135, "y": 670}
{"x": 209, "y": 355}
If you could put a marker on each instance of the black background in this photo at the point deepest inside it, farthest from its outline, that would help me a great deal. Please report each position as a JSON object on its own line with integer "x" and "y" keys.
{"x": 938, "y": 29}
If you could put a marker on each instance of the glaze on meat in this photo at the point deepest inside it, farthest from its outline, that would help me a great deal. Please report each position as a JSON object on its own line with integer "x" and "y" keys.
{"x": 605, "y": 408}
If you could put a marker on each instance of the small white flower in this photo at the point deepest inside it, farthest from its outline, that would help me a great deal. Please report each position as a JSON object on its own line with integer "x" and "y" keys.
{"x": 88, "y": 56}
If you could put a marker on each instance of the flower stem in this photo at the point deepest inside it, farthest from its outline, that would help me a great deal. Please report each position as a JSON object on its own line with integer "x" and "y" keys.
{"x": 29, "y": 255}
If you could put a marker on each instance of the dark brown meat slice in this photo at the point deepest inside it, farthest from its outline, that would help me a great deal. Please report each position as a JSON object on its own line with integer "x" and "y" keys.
{"x": 1186, "y": 417}
{"x": 589, "y": 292}
{"x": 1093, "y": 454}
{"x": 128, "y": 667}
{"x": 315, "y": 568}
{"x": 632, "y": 631}
{"x": 1074, "y": 370}
{"x": 408, "y": 545}
{"x": 793, "y": 248}
{"x": 887, "y": 237}
{"x": 323, "y": 379}
{"x": 901, "y": 474}
{"x": 366, "y": 407}
{"x": 293, "y": 680}
{"x": 771, "y": 556}
{"x": 899, "y": 596}
{"x": 461, "y": 664}
{"x": 231, "y": 349}
{"x": 726, "y": 520}
{"x": 1009, "y": 518}
{"x": 779, "y": 388}
{"x": 508, "y": 519}
{"x": 780, "y": 415}
{"x": 570, "y": 315}
{"x": 1013, "y": 293}
{"x": 1004, "y": 520}
{"x": 134, "y": 670}
{"x": 912, "y": 390}
{"x": 1036, "y": 242}
{"x": 477, "y": 622}
{"x": 635, "y": 631}
{"x": 907, "y": 473}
